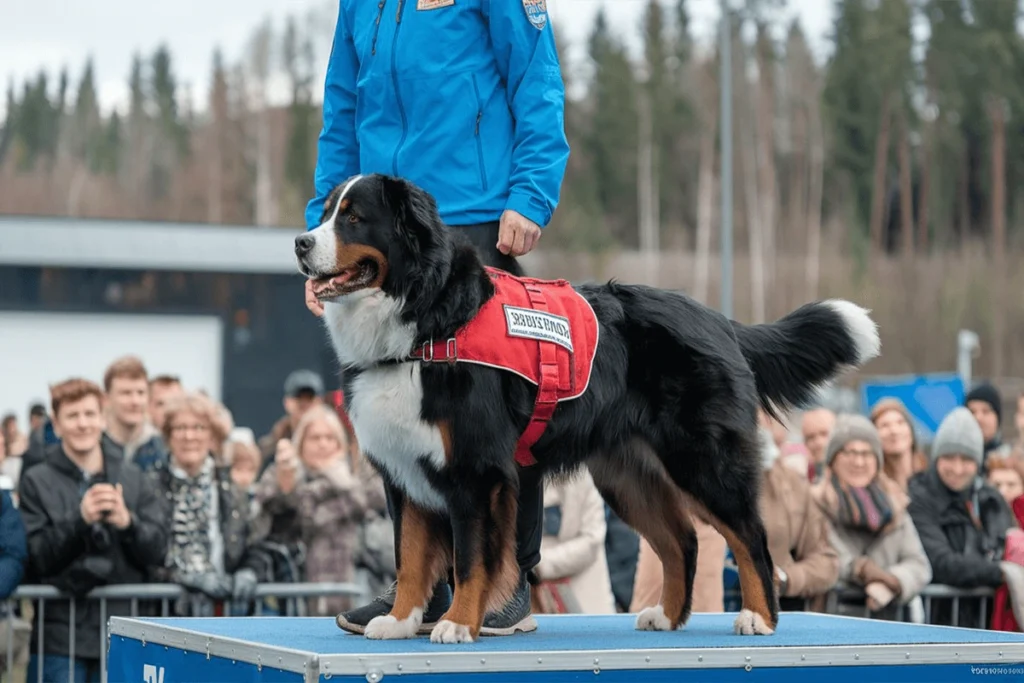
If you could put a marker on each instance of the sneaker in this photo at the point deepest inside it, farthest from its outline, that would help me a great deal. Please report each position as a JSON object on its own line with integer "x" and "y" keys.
{"x": 514, "y": 617}
{"x": 355, "y": 620}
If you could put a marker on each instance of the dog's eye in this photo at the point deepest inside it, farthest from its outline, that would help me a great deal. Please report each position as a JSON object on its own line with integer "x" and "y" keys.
{"x": 352, "y": 218}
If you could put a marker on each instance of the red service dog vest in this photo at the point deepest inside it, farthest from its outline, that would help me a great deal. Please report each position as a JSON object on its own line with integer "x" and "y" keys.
{"x": 542, "y": 330}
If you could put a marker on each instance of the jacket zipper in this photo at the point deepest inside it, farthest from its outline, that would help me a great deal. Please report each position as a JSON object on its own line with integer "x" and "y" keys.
{"x": 394, "y": 78}
{"x": 476, "y": 134}
{"x": 380, "y": 12}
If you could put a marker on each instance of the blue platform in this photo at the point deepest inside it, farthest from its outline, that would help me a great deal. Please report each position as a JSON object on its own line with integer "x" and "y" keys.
{"x": 805, "y": 647}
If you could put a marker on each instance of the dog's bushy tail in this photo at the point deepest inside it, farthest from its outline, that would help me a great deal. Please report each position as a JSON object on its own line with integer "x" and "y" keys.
{"x": 794, "y": 356}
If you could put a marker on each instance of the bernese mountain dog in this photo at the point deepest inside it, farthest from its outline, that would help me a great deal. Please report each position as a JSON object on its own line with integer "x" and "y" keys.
{"x": 655, "y": 393}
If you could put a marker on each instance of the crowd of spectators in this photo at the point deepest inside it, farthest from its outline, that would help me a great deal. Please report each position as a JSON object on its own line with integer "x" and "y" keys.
{"x": 144, "y": 480}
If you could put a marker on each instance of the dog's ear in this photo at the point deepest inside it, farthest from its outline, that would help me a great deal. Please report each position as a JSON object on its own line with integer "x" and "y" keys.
{"x": 415, "y": 210}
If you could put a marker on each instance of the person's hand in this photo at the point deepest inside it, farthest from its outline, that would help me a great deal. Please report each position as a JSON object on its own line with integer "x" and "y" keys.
{"x": 315, "y": 306}
{"x": 19, "y": 446}
{"x": 216, "y": 586}
{"x": 286, "y": 462}
{"x": 783, "y": 578}
{"x": 244, "y": 585}
{"x": 517, "y": 234}
{"x": 97, "y": 501}
{"x": 119, "y": 515}
{"x": 869, "y": 572}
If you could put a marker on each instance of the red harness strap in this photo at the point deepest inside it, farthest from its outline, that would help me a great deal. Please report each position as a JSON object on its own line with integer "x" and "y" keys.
{"x": 547, "y": 389}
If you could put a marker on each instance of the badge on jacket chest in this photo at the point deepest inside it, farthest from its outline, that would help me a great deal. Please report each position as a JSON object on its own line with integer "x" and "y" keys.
{"x": 424, "y": 5}
{"x": 536, "y": 12}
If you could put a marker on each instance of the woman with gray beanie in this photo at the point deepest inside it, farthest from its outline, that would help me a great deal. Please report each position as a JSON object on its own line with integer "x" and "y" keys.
{"x": 962, "y": 520}
{"x": 879, "y": 549}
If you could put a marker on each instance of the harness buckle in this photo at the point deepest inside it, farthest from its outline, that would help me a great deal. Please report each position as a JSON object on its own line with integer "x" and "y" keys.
{"x": 428, "y": 345}
{"x": 450, "y": 350}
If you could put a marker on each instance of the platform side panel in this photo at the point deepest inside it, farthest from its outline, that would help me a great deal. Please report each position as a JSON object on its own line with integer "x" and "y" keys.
{"x": 933, "y": 673}
{"x": 130, "y": 661}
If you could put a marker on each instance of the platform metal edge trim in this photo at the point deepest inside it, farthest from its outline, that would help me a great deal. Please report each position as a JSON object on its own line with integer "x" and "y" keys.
{"x": 682, "y": 658}
{"x": 225, "y": 647}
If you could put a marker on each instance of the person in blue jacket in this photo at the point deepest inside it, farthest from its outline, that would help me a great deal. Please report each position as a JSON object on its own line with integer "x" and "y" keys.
{"x": 465, "y": 99}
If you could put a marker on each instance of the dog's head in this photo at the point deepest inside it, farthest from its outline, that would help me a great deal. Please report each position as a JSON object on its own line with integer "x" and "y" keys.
{"x": 373, "y": 230}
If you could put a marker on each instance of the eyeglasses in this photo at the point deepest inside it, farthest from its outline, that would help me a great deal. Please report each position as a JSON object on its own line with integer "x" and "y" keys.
{"x": 182, "y": 429}
{"x": 866, "y": 454}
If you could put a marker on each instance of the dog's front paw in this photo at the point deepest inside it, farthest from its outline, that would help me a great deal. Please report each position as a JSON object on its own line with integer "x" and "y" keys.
{"x": 450, "y": 632}
{"x": 387, "y": 627}
{"x": 751, "y": 624}
{"x": 653, "y": 619}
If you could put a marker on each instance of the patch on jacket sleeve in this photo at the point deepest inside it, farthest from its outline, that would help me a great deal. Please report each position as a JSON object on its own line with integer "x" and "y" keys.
{"x": 536, "y": 12}
{"x": 433, "y": 4}
{"x": 539, "y": 325}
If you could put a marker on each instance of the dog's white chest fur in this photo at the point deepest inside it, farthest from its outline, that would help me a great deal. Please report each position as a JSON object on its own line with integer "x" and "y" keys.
{"x": 385, "y": 412}
{"x": 386, "y": 400}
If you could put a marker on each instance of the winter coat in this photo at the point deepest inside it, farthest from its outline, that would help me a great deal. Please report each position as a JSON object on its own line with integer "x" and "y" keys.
{"x": 13, "y": 546}
{"x": 327, "y": 508}
{"x": 65, "y": 552}
{"x": 232, "y": 514}
{"x": 573, "y": 547}
{"x": 896, "y": 549}
{"x": 961, "y": 555}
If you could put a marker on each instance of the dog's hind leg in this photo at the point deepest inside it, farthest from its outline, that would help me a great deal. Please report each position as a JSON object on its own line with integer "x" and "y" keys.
{"x": 732, "y": 507}
{"x": 486, "y": 570}
{"x": 634, "y": 484}
{"x": 424, "y": 555}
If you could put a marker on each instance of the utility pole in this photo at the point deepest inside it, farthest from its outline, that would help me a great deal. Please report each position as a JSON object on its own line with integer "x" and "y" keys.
{"x": 726, "y": 133}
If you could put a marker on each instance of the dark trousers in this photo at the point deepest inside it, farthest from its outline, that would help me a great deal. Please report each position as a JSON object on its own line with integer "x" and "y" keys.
{"x": 531, "y": 490}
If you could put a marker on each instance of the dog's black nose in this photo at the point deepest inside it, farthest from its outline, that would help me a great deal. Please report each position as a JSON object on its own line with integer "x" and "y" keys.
{"x": 304, "y": 244}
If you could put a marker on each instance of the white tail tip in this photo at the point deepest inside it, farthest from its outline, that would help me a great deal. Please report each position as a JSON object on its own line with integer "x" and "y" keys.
{"x": 860, "y": 326}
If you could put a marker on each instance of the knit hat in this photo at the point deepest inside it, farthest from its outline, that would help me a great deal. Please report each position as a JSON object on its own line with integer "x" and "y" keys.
{"x": 851, "y": 427}
{"x": 959, "y": 434}
{"x": 990, "y": 395}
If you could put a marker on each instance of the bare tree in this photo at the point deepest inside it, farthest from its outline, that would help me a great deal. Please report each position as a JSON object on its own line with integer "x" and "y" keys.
{"x": 765, "y": 56}
{"x": 746, "y": 122}
{"x": 259, "y": 61}
{"x": 881, "y": 166}
{"x": 906, "y": 188}
{"x": 708, "y": 88}
{"x": 816, "y": 175}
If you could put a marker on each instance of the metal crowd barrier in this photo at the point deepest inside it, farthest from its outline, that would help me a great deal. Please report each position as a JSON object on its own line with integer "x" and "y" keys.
{"x": 928, "y": 594}
{"x": 150, "y": 592}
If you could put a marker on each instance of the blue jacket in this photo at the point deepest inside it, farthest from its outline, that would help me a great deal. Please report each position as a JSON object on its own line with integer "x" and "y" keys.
{"x": 461, "y": 97}
{"x": 13, "y": 546}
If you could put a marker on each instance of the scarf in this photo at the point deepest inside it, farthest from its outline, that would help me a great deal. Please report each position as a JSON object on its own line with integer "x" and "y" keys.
{"x": 191, "y": 547}
{"x": 866, "y": 508}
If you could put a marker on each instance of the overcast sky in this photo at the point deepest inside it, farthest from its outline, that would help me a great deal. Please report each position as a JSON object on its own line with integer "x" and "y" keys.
{"x": 53, "y": 33}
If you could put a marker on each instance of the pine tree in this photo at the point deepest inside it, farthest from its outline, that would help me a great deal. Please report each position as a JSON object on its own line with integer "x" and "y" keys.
{"x": 170, "y": 135}
{"x": 579, "y": 223}
{"x": 10, "y": 116}
{"x": 611, "y": 139}
{"x": 853, "y": 105}
{"x": 86, "y": 128}
{"x": 300, "y": 161}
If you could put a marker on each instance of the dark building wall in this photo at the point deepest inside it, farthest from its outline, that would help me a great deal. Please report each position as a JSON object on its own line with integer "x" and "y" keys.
{"x": 268, "y": 332}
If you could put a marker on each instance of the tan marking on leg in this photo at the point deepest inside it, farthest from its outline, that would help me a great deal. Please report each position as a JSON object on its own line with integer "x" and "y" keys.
{"x": 754, "y": 597}
{"x": 653, "y": 505}
{"x": 424, "y": 556}
{"x": 505, "y": 576}
{"x": 470, "y": 599}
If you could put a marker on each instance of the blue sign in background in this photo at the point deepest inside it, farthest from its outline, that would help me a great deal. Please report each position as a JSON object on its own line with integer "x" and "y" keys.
{"x": 928, "y": 398}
